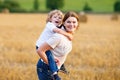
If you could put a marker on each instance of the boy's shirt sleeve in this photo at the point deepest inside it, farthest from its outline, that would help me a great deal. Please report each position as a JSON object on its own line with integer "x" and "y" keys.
{"x": 51, "y": 26}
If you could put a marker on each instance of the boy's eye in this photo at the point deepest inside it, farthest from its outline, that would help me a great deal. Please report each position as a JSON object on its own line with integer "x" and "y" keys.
{"x": 60, "y": 18}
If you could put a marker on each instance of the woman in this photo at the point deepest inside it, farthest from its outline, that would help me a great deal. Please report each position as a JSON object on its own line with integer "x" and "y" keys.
{"x": 54, "y": 20}
{"x": 59, "y": 45}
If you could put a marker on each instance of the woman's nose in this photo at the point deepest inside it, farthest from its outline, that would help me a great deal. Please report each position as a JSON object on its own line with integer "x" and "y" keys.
{"x": 71, "y": 24}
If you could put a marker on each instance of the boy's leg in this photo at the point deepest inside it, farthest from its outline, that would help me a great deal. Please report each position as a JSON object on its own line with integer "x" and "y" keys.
{"x": 52, "y": 65}
{"x": 63, "y": 69}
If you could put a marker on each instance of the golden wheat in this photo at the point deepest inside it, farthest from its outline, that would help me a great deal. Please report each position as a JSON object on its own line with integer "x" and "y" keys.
{"x": 95, "y": 54}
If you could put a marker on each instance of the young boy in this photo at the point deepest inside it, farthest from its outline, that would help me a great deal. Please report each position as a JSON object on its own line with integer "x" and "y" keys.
{"x": 54, "y": 20}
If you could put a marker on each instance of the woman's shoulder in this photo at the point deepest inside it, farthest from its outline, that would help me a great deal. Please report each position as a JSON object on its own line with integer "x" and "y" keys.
{"x": 59, "y": 36}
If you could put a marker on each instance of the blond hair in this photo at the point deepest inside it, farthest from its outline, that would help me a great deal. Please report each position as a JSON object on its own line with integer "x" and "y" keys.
{"x": 51, "y": 13}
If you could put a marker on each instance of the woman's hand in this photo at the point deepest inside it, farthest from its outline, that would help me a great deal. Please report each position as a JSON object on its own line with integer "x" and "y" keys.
{"x": 57, "y": 61}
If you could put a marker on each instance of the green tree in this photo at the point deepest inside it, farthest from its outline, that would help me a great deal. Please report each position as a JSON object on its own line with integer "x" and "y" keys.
{"x": 87, "y": 8}
{"x": 117, "y": 6}
{"x": 11, "y": 5}
{"x": 36, "y": 4}
{"x": 54, "y": 4}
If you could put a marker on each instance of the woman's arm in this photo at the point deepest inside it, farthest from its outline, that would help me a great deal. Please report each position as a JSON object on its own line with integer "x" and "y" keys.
{"x": 41, "y": 52}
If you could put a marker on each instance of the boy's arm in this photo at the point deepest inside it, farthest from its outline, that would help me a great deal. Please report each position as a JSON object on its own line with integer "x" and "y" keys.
{"x": 68, "y": 35}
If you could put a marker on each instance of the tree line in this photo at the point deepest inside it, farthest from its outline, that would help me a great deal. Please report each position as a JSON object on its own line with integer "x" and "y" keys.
{"x": 14, "y": 6}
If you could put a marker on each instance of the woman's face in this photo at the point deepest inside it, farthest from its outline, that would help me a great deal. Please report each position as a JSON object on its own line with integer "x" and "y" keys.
{"x": 71, "y": 24}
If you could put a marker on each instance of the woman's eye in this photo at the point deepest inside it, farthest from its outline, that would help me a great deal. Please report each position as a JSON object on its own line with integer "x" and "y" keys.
{"x": 68, "y": 21}
{"x": 74, "y": 22}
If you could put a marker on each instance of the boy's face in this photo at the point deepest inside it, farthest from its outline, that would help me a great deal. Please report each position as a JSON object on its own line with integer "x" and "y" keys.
{"x": 56, "y": 19}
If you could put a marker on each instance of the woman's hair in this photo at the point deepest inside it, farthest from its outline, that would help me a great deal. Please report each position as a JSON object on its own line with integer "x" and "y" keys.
{"x": 71, "y": 14}
{"x": 51, "y": 13}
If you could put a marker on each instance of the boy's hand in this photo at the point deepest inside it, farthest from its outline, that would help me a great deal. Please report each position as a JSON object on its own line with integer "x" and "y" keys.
{"x": 70, "y": 37}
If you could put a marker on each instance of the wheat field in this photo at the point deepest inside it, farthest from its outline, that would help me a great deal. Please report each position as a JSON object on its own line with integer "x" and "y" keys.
{"x": 95, "y": 54}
